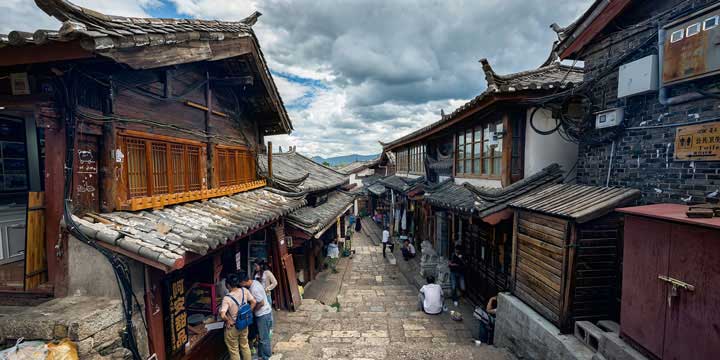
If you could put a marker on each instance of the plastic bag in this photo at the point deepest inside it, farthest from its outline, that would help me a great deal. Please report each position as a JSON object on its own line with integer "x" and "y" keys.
{"x": 64, "y": 350}
{"x": 30, "y": 350}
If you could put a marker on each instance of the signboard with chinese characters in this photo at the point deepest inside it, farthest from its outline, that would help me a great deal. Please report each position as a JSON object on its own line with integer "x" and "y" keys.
{"x": 698, "y": 142}
{"x": 176, "y": 319}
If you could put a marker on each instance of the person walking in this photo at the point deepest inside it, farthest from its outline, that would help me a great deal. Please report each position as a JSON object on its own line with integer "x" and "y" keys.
{"x": 386, "y": 240}
{"x": 263, "y": 315}
{"x": 235, "y": 340}
{"x": 457, "y": 269}
{"x": 358, "y": 224}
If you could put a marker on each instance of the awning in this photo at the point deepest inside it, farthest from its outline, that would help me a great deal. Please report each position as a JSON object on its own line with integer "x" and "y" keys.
{"x": 163, "y": 238}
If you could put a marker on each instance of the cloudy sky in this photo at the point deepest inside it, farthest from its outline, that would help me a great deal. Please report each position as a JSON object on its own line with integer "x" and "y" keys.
{"x": 355, "y": 72}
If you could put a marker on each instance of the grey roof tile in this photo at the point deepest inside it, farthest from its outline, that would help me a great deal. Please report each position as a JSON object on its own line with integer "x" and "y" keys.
{"x": 294, "y": 172}
{"x": 313, "y": 219}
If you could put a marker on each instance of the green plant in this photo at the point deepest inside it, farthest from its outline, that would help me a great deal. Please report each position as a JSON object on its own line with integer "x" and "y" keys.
{"x": 336, "y": 305}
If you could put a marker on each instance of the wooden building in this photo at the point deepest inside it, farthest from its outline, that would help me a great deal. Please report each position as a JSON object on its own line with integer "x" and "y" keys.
{"x": 670, "y": 277}
{"x": 322, "y": 220}
{"x": 477, "y": 159}
{"x": 147, "y": 117}
{"x": 566, "y": 259}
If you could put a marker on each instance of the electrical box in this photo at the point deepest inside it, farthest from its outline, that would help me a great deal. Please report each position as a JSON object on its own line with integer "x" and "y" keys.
{"x": 692, "y": 47}
{"x": 638, "y": 77}
{"x": 19, "y": 84}
{"x": 609, "y": 118}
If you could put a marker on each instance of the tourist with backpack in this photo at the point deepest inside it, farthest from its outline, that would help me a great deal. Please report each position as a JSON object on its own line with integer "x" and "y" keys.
{"x": 262, "y": 314}
{"x": 236, "y": 311}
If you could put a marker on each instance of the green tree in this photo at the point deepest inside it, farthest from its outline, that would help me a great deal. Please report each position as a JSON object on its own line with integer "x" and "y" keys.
{"x": 326, "y": 163}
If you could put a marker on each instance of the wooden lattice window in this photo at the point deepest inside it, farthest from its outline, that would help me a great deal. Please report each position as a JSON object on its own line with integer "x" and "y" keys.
{"x": 160, "y": 166}
{"x": 402, "y": 160}
{"x": 417, "y": 159}
{"x": 234, "y": 166}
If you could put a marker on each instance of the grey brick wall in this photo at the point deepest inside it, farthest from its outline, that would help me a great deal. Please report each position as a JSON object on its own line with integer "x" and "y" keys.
{"x": 643, "y": 158}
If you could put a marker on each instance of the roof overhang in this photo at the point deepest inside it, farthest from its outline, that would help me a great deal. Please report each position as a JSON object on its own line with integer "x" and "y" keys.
{"x": 590, "y": 24}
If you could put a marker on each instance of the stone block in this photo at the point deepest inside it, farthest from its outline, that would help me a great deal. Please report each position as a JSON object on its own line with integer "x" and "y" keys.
{"x": 609, "y": 326}
{"x": 528, "y": 335}
{"x": 612, "y": 347}
{"x": 589, "y": 334}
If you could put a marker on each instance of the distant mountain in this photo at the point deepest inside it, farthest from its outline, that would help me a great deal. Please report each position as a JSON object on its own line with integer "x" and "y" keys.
{"x": 343, "y": 160}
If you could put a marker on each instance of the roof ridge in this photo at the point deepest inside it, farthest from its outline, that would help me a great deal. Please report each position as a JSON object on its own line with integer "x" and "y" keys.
{"x": 64, "y": 10}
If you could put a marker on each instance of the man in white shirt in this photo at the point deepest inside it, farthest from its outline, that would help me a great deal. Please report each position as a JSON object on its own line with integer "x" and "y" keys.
{"x": 386, "y": 241}
{"x": 263, "y": 315}
{"x": 431, "y": 297}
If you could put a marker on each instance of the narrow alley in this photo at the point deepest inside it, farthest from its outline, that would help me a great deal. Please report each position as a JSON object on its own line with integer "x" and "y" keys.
{"x": 377, "y": 318}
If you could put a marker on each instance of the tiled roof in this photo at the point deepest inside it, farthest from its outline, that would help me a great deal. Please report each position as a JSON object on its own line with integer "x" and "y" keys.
{"x": 166, "y": 236}
{"x": 357, "y": 166}
{"x": 548, "y": 77}
{"x": 294, "y": 172}
{"x": 377, "y": 189}
{"x": 314, "y": 219}
{"x": 492, "y": 200}
{"x": 448, "y": 195}
{"x": 484, "y": 201}
{"x": 173, "y": 41}
{"x": 104, "y": 32}
{"x": 579, "y": 202}
{"x": 399, "y": 183}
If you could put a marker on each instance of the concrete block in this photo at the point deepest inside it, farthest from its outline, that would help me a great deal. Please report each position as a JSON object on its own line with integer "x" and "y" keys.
{"x": 527, "y": 334}
{"x": 612, "y": 347}
{"x": 589, "y": 334}
{"x": 609, "y": 326}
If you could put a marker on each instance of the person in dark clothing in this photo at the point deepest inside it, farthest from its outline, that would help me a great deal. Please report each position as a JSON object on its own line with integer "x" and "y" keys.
{"x": 358, "y": 224}
{"x": 457, "y": 269}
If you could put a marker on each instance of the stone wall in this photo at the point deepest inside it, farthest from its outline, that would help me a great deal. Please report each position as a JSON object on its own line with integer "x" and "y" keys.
{"x": 643, "y": 156}
{"x": 529, "y": 336}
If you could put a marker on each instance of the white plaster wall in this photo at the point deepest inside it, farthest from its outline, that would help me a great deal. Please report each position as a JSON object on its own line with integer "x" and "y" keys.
{"x": 353, "y": 179}
{"x": 543, "y": 150}
{"x": 479, "y": 182}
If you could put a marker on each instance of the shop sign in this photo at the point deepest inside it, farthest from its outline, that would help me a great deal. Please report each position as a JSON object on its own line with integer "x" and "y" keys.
{"x": 698, "y": 142}
{"x": 176, "y": 325}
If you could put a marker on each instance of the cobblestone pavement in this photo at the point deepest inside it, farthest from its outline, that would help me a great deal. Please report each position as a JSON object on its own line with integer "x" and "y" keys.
{"x": 377, "y": 319}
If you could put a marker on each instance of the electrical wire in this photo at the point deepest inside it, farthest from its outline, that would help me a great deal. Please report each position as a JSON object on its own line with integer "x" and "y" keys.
{"x": 120, "y": 268}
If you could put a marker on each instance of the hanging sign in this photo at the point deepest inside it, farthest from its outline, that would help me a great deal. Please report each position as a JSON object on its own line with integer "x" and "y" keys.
{"x": 176, "y": 320}
{"x": 698, "y": 142}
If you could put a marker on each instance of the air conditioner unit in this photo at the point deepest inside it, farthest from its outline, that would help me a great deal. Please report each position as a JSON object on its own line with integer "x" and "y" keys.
{"x": 692, "y": 46}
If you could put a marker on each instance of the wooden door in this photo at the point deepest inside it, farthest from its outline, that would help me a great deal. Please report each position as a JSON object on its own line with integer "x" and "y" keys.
{"x": 642, "y": 314}
{"x": 693, "y": 318}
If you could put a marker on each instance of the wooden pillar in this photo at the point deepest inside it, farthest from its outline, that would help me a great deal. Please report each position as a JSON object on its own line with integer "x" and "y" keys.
{"x": 109, "y": 175}
{"x": 506, "y": 171}
{"x": 269, "y": 156}
{"x": 56, "y": 244}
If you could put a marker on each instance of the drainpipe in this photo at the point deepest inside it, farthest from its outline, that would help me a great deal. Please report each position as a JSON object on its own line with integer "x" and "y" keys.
{"x": 269, "y": 164}
{"x": 663, "y": 92}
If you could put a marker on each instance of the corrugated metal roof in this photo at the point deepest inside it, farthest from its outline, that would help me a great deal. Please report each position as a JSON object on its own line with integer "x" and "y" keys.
{"x": 314, "y": 219}
{"x": 295, "y": 172}
{"x": 579, "y": 202}
{"x": 165, "y": 236}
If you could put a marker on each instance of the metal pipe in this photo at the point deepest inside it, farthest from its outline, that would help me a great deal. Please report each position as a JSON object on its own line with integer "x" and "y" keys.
{"x": 612, "y": 153}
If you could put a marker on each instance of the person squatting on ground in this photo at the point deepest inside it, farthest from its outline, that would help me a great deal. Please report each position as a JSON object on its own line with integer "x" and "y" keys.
{"x": 235, "y": 340}
{"x": 408, "y": 250}
{"x": 457, "y": 269}
{"x": 431, "y": 299}
{"x": 263, "y": 315}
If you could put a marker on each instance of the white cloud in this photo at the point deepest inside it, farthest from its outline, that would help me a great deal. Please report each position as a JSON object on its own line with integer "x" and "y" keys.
{"x": 386, "y": 67}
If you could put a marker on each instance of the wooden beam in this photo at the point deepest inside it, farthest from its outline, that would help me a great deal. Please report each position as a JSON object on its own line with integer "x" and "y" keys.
{"x": 269, "y": 164}
{"x": 613, "y": 9}
{"x": 506, "y": 171}
{"x": 108, "y": 177}
{"x": 34, "y": 54}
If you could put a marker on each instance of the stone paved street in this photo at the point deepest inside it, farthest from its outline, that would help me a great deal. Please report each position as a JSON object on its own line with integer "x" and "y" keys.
{"x": 377, "y": 319}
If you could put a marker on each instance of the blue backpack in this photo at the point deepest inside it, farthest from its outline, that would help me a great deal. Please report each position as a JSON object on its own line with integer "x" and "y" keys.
{"x": 244, "y": 315}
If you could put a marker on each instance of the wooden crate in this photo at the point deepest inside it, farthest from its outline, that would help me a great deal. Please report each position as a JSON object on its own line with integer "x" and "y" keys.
{"x": 564, "y": 270}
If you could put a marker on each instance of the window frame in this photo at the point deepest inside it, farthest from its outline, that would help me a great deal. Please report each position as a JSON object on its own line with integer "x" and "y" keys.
{"x": 471, "y": 163}
{"x": 238, "y": 166}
